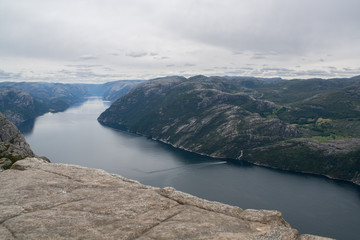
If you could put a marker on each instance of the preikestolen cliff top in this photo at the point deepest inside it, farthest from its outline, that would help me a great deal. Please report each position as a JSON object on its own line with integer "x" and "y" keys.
{"x": 41, "y": 200}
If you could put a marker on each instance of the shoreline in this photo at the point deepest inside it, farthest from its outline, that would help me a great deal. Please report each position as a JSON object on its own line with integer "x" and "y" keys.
{"x": 124, "y": 129}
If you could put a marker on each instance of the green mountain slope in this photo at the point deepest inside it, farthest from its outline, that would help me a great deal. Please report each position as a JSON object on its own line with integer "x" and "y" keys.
{"x": 23, "y": 101}
{"x": 300, "y": 125}
{"x": 20, "y": 102}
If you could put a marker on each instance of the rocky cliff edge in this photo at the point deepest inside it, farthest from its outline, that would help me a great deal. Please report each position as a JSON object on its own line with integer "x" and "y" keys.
{"x": 40, "y": 200}
{"x": 13, "y": 145}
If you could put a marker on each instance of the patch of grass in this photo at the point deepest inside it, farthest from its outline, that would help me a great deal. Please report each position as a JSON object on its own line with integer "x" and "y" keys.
{"x": 325, "y": 138}
{"x": 323, "y": 121}
{"x": 275, "y": 112}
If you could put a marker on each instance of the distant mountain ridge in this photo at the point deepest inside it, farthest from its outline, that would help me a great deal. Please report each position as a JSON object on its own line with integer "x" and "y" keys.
{"x": 24, "y": 101}
{"x": 308, "y": 125}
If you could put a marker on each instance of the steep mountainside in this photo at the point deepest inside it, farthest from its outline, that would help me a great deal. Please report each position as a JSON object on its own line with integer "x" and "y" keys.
{"x": 20, "y": 102}
{"x": 111, "y": 91}
{"x": 17, "y": 105}
{"x": 301, "y": 125}
{"x": 13, "y": 145}
{"x": 24, "y": 101}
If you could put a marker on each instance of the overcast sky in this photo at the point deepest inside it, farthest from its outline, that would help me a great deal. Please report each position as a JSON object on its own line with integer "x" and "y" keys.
{"x": 106, "y": 40}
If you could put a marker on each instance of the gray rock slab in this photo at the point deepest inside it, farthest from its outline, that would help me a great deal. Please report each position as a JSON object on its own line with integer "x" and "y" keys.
{"x": 40, "y": 200}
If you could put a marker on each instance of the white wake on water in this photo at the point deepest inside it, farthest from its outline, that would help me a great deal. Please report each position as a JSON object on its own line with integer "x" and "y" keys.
{"x": 198, "y": 165}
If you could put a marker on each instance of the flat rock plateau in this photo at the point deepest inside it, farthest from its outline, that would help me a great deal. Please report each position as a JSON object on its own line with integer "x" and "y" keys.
{"x": 41, "y": 200}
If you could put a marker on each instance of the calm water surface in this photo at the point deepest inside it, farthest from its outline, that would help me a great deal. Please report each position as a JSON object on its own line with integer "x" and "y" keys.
{"x": 309, "y": 203}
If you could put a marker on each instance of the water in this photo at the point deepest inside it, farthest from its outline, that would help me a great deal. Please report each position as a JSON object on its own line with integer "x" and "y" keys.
{"x": 311, "y": 204}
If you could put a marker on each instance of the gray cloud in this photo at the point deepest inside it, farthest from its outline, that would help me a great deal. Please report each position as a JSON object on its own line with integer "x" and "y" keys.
{"x": 279, "y": 25}
{"x": 8, "y": 75}
{"x": 208, "y": 70}
{"x": 273, "y": 69}
{"x": 235, "y": 72}
{"x": 108, "y": 69}
{"x": 238, "y": 53}
{"x": 312, "y": 72}
{"x": 84, "y": 65}
{"x": 138, "y": 38}
{"x": 264, "y": 55}
{"x": 82, "y": 75}
{"x": 88, "y": 57}
{"x": 247, "y": 68}
{"x": 136, "y": 54}
{"x": 348, "y": 71}
{"x": 221, "y": 68}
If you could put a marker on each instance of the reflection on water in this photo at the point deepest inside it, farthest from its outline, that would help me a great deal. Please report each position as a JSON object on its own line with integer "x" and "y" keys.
{"x": 311, "y": 204}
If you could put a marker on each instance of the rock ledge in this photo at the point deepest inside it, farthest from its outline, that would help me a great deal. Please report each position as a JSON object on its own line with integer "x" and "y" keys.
{"x": 40, "y": 200}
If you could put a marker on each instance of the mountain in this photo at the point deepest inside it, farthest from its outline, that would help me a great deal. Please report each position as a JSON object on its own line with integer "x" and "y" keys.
{"x": 13, "y": 145}
{"x": 20, "y": 102}
{"x": 17, "y": 105}
{"x": 24, "y": 101}
{"x": 300, "y": 125}
{"x": 111, "y": 91}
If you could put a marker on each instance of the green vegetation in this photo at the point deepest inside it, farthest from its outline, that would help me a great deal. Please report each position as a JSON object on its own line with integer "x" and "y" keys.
{"x": 301, "y": 125}
{"x": 298, "y": 156}
{"x": 25, "y": 101}
{"x": 275, "y": 112}
{"x": 325, "y": 138}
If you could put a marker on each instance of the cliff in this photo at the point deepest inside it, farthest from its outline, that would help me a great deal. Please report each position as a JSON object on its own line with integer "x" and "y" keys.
{"x": 17, "y": 105}
{"x": 40, "y": 200}
{"x": 310, "y": 126}
{"x": 13, "y": 145}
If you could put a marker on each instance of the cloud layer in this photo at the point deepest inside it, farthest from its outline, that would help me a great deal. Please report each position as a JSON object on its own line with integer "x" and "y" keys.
{"x": 140, "y": 39}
